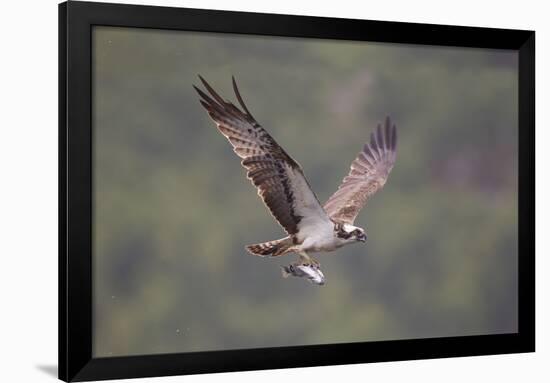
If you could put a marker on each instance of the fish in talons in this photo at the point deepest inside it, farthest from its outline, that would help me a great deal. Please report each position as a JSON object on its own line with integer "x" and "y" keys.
{"x": 302, "y": 270}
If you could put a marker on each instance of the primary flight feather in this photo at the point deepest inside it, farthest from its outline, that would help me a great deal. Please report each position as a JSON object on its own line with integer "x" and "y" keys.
{"x": 280, "y": 181}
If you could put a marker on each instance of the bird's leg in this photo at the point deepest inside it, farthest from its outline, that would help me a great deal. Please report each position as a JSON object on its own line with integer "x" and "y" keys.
{"x": 305, "y": 259}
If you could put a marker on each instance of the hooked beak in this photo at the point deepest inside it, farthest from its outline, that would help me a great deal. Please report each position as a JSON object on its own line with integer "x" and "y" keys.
{"x": 362, "y": 238}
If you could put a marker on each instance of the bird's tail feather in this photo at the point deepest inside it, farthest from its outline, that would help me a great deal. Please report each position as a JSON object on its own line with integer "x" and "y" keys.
{"x": 271, "y": 248}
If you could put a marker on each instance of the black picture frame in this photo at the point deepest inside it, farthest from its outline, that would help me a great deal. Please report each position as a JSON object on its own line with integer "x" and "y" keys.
{"x": 76, "y": 19}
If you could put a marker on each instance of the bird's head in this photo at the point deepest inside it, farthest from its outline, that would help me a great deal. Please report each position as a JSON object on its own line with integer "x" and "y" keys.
{"x": 350, "y": 233}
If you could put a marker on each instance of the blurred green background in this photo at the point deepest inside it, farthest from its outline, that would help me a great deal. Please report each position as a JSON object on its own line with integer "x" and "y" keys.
{"x": 173, "y": 209}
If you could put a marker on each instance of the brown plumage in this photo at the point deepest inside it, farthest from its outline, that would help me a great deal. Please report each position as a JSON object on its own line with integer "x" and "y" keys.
{"x": 271, "y": 248}
{"x": 274, "y": 173}
{"x": 368, "y": 174}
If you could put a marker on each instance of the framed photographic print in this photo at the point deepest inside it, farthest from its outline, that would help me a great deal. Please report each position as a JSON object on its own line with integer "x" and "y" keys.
{"x": 246, "y": 191}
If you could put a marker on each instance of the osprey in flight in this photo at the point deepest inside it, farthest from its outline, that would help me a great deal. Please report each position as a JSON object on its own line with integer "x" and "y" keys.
{"x": 311, "y": 227}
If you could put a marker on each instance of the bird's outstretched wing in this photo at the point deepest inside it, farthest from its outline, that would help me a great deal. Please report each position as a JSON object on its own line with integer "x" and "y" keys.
{"x": 368, "y": 174}
{"x": 279, "y": 179}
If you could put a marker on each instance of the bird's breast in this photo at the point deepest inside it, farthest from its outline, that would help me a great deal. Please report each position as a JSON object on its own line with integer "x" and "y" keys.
{"x": 323, "y": 244}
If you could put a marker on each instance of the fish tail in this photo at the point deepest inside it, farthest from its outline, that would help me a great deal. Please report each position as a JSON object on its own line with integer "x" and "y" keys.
{"x": 285, "y": 271}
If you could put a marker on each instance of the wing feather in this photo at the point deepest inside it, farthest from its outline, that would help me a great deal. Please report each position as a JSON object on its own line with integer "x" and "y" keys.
{"x": 279, "y": 179}
{"x": 368, "y": 174}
